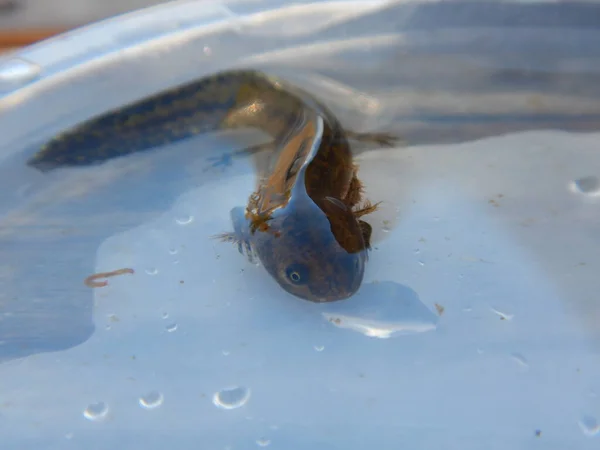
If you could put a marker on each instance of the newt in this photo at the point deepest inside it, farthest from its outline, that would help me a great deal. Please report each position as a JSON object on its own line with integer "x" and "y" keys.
{"x": 304, "y": 220}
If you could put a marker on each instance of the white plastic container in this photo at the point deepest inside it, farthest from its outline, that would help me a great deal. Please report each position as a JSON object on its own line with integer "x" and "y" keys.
{"x": 476, "y": 325}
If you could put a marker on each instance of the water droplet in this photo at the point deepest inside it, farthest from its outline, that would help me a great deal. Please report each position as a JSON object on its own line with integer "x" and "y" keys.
{"x": 151, "y": 400}
{"x": 165, "y": 315}
{"x": 108, "y": 327}
{"x": 171, "y": 327}
{"x": 176, "y": 261}
{"x": 173, "y": 251}
{"x": 18, "y": 71}
{"x": 520, "y": 359}
{"x": 319, "y": 348}
{"x": 421, "y": 263}
{"x": 226, "y": 352}
{"x": 184, "y": 220}
{"x": 96, "y": 411}
{"x": 151, "y": 270}
{"x": 503, "y": 315}
{"x": 263, "y": 442}
{"x": 231, "y": 398}
{"x": 589, "y": 425}
{"x": 586, "y": 185}
{"x": 417, "y": 251}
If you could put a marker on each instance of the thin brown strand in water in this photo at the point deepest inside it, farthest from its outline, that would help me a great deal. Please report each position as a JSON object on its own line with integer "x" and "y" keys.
{"x": 91, "y": 280}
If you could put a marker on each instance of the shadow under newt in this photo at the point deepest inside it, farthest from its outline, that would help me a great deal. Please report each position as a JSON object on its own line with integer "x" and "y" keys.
{"x": 303, "y": 221}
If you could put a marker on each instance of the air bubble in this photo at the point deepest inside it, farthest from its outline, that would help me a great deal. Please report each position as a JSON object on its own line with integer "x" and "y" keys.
{"x": 151, "y": 400}
{"x": 173, "y": 251}
{"x": 171, "y": 327}
{"x": 231, "y": 398}
{"x": 589, "y": 425}
{"x": 319, "y": 348}
{"x": 421, "y": 263}
{"x": 184, "y": 220}
{"x": 589, "y": 185}
{"x": 263, "y": 442}
{"x": 165, "y": 315}
{"x": 18, "y": 71}
{"x": 96, "y": 411}
{"x": 151, "y": 270}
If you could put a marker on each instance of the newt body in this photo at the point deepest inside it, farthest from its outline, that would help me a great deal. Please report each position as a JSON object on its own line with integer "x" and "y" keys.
{"x": 303, "y": 221}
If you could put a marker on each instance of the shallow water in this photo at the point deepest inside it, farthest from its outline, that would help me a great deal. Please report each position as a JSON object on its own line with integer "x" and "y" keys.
{"x": 476, "y": 323}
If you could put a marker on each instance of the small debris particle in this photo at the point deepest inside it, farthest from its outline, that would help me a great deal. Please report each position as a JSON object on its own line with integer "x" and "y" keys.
{"x": 440, "y": 309}
{"x": 91, "y": 280}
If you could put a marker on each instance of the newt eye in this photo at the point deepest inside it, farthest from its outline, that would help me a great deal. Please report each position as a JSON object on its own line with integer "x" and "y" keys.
{"x": 297, "y": 273}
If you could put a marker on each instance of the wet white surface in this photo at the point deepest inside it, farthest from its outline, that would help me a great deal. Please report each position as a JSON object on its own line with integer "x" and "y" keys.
{"x": 516, "y": 332}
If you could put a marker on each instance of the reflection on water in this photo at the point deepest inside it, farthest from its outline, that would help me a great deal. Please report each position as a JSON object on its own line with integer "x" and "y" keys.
{"x": 382, "y": 310}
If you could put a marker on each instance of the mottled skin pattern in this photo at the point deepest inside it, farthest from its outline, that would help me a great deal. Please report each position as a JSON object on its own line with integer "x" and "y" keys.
{"x": 303, "y": 221}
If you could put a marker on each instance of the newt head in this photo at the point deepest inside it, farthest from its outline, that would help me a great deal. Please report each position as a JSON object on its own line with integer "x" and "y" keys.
{"x": 315, "y": 252}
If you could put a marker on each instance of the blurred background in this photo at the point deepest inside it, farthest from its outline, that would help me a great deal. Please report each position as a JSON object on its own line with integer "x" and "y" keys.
{"x": 23, "y": 22}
